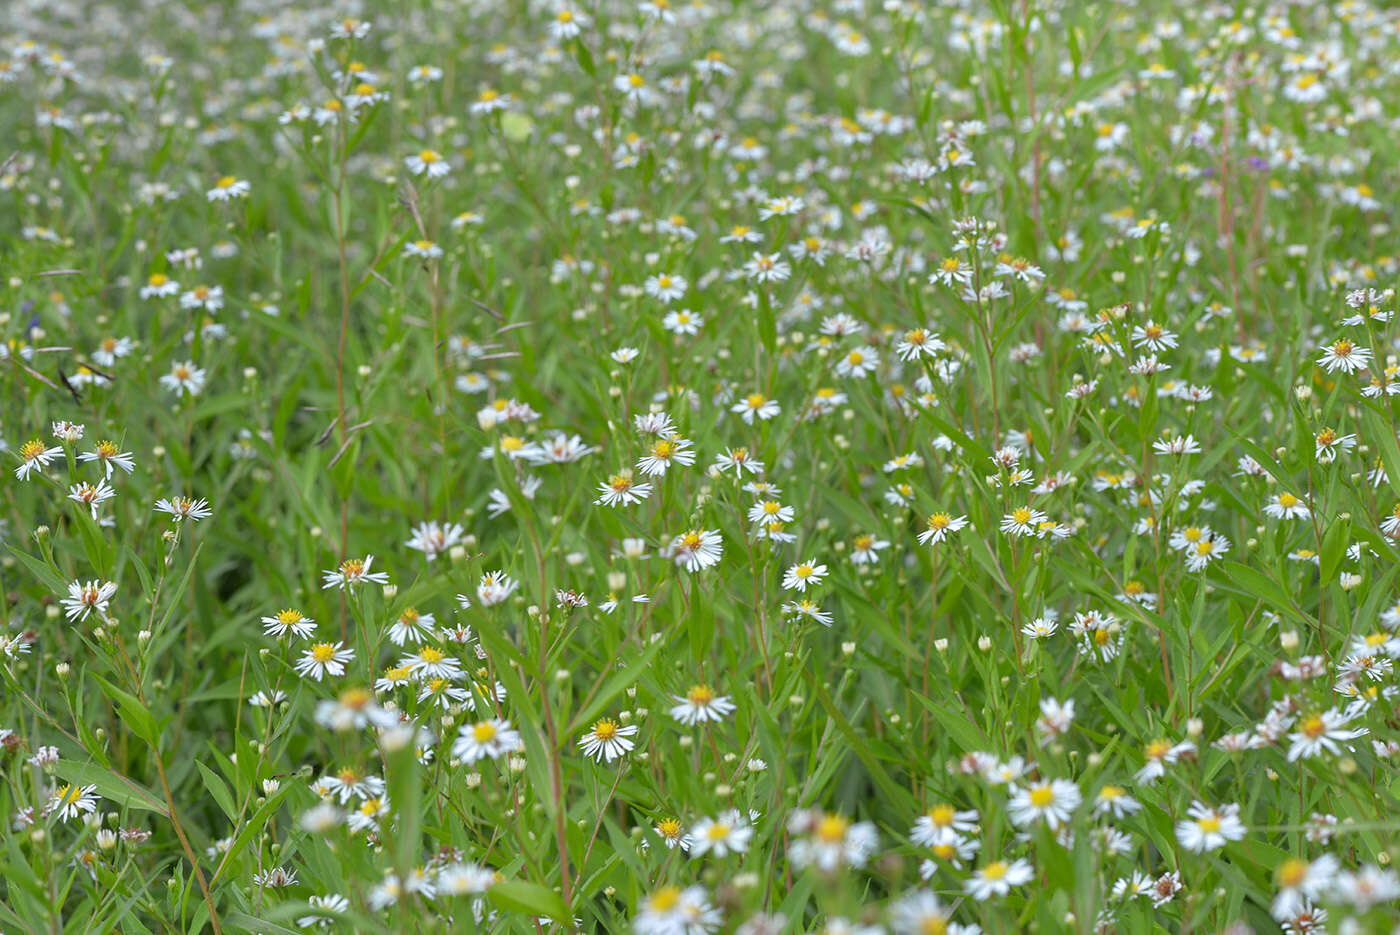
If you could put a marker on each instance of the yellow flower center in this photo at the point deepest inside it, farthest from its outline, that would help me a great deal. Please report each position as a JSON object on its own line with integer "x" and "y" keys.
{"x": 484, "y": 732}
{"x": 606, "y": 729}
{"x": 994, "y": 871}
{"x": 1209, "y": 824}
{"x": 831, "y": 829}
{"x": 323, "y": 652}
{"x": 665, "y": 899}
{"x": 700, "y": 695}
{"x": 1042, "y": 796}
{"x": 355, "y": 698}
{"x": 1292, "y": 872}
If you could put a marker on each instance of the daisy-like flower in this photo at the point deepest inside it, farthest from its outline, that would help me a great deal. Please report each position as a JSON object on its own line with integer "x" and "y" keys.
{"x": 663, "y": 453}
{"x": 1206, "y": 551}
{"x": 1022, "y": 521}
{"x": 942, "y": 823}
{"x": 1391, "y": 527}
{"x": 701, "y": 704}
{"x": 352, "y": 571}
{"x": 918, "y": 342}
{"x": 109, "y": 455}
{"x": 770, "y": 511}
{"x": 606, "y": 740}
{"x": 725, "y": 834}
{"x": 951, "y": 271}
{"x": 422, "y": 249}
{"x": 34, "y": 456}
{"x": 665, "y": 287}
{"x": 1300, "y": 882}
{"x": 1329, "y": 444}
{"x": 622, "y": 489}
{"x": 1286, "y": 506}
{"x": 1321, "y": 733}
{"x": 1345, "y": 356}
{"x": 1153, "y": 337}
{"x": 92, "y": 495}
{"x": 350, "y": 28}
{"x": 567, "y": 23}
{"x": 738, "y": 460}
{"x": 289, "y": 621}
{"x": 494, "y": 588}
{"x": 412, "y": 626}
{"x": 428, "y": 162}
{"x": 683, "y": 322}
{"x": 858, "y": 363}
{"x": 829, "y": 841}
{"x": 756, "y": 406}
{"x": 182, "y": 508}
{"x": 228, "y": 188}
{"x": 865, "y": 549}
{"x": 767, "y": 268}
{"x": 492, "y": 738}
{"x": 919, "y": 913}
{"x": 333, "y": 904}
{"x": 68, "y": 431}
{"x": 1161, "y": 754}
{"x": 939, "y": 526}
{"x": 1365, "y": 888}
{"x": 158, "y": 285}
{"x": 997, "y": 878}
{"x": 321, "y": 659}
{"x": 807, "y": 610}
{"x": 354, "y": 709}
{"x": 1180, "y": 445}
{"x": 465, "y": 879}
{"x": 72, "y": 801}
{"x": 432, "y": 663}
{"x": 488, "y": 102}
{"x": 433, "y": 538}
{"x": 803, "y": 575}
{"x": 695, "y": 549}
{"x": 1115, "y": 801}
{"x": 672, "y": 834}
{"x": 184, "y": 379}
{"x": 673, "y": 911}
{"x": 83, "y": 598}
{"x": 1052, "y": 801}
{"x": 1209, "y": 829}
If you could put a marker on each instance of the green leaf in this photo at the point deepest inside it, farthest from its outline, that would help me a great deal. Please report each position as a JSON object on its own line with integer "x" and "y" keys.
{"x": 140, "y": 720}
{"x": 41, "y": 570}
{"x": 219, "y": 790}
{"x": 529, "y": 898}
